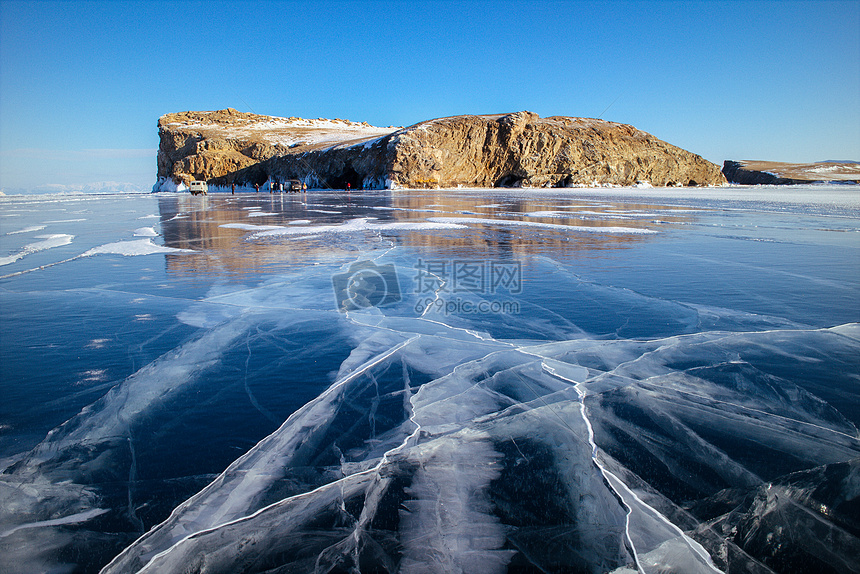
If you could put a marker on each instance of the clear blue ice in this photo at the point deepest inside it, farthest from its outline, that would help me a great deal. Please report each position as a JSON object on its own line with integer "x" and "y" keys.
{"x": 611, "y": 380}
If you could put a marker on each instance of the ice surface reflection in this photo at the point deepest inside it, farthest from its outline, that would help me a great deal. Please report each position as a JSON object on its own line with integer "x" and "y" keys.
{"x": 619, "y": 422}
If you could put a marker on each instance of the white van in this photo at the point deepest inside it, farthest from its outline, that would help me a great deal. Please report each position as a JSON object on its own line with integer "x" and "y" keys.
{"x": 199, "y": 188}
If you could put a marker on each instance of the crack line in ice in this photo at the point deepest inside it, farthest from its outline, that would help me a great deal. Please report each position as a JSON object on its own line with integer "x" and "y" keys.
{"x": 132, "y": 480}
{"x": 593, "y": 447}
{"x": 70, "y": 519}
{"x": 644, "y": 383}
{"x": 339, "y": 483}
{"x": 147, "y": 567}
{"x": 692, "y": 544}
{"x": 234, "y": 504}
{"x": 476, "y": 334}
{"x": 436, "y": 293}
{"x": 254, "y": 402}
{"x": 594, "y": 458}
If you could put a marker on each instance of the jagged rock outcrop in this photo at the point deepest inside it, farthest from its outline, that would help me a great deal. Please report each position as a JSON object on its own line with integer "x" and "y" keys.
{"x": 779, "y": 173}
{"x": 519, "y": 149}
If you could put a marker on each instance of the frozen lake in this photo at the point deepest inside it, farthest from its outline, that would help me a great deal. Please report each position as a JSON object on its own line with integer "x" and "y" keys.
{"x": 594, "y": 380}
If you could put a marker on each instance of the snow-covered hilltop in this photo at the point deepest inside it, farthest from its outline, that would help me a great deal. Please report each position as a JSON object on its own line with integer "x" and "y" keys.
{"x": 231, "y": 124}
{"x": 224, "y": 143}
{"x": 521, "y": 149}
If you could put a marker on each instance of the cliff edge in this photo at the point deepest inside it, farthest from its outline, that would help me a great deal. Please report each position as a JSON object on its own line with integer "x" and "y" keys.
{"x": 509, "y": 150}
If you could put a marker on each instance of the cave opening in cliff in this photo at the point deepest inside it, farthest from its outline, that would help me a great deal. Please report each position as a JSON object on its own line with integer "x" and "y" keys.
{"x": 509, "y": 180}
{"x": 348, "y": 178}
{"x": 566, "y": 181}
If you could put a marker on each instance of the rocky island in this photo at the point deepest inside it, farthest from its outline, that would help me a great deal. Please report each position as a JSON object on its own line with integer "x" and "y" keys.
{"x": 520, "y": 149}
{"x": 781, "y": 173}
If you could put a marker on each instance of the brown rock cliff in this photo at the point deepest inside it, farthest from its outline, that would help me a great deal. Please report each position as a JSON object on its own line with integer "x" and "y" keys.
{"x": 519, "y": 149}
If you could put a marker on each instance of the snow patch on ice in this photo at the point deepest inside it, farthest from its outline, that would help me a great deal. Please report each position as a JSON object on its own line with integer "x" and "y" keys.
{"x": 48, "y": 242}
{"x": 551, "y": 226}
{"x": 133, "y": 248}
{"x": 27, "y": 229}
{"x": 361, "y": 224}
{"x": 249, "y": 226}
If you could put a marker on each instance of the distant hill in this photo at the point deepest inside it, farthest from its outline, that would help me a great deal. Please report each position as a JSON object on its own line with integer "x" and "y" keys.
{"x": 779, "y": 173}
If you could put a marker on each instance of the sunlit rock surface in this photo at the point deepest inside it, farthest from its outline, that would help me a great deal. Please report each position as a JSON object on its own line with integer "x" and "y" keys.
{"x": 514, "y": 150}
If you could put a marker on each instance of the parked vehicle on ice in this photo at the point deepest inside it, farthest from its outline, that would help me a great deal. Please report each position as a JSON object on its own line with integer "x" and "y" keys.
{"x": 199, "y": 188}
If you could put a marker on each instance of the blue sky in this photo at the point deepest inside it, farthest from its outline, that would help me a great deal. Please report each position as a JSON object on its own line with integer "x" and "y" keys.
{"x": 82, "y": 83}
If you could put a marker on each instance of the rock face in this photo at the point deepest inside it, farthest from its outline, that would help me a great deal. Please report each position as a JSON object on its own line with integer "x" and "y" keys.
{"x": 513, "y": 150}
{"x": 778, "y": 173}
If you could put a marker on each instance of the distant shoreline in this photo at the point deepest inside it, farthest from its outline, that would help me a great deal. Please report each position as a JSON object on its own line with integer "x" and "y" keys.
{"x": 754, "y": 172}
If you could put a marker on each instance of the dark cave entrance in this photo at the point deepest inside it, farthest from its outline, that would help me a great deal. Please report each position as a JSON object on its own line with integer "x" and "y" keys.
{"x": 509, "y": 180}
{"x": 348, "y": 177}
{"x": 565, "y": 181}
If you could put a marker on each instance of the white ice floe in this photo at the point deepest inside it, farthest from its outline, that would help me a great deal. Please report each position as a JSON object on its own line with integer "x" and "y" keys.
{"x": 48, "y": 242}
{"x": 537, "y": 225}
{"x": 358, "y": 225}
{"x": 250, "y": 226}
{"x": 28, "y": 229}
{"x": 145, "y": 232}
{"x": 133, "y": 248}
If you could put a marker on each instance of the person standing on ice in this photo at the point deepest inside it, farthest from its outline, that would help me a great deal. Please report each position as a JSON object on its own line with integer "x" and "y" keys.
{"x": 257, "y": 187}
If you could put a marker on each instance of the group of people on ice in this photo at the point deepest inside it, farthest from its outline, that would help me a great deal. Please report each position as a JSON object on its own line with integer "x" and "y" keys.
{"x": 290, "y": 186}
